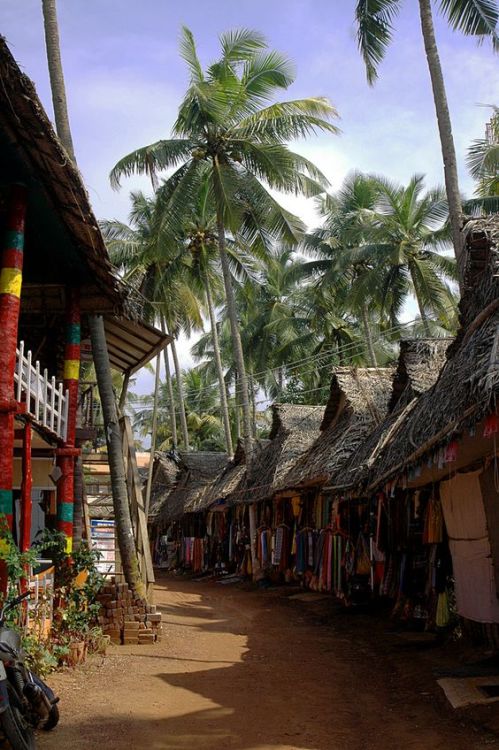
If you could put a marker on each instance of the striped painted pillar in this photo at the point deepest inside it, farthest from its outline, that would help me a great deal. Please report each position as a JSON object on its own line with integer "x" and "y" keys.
{"x": 68, "y": 453}
{"x": 11, "y": 266}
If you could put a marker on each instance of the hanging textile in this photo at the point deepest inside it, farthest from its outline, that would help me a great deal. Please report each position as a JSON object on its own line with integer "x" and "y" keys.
{"x": 466, "y": 524}
{"x": 433, "y": 528}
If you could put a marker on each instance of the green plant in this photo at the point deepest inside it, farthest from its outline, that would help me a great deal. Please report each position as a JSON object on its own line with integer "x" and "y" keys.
{"x": 41, "y": 656}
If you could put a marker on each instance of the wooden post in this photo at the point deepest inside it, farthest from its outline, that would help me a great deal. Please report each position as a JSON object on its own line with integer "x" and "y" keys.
{"x": 68, "y": 453}
{"x": 26, "y": 486}
{"x": 10, "y": 302}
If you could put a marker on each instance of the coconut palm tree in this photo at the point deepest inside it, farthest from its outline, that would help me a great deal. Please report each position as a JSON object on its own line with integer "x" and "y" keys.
{"x": 374, "y": 33}
{"x": 201, "y": 403}
{"x": 100, "y": 355}
{"x": 344, "y": 217}
{"x": 163, "y": 278}
{"x": 402, "y": 242}
{"x": 483, "y": 159}
{"x": 227, "y": 130}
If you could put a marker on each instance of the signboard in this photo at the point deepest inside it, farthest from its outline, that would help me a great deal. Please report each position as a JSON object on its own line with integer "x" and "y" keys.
{"x": 102, "y": 535}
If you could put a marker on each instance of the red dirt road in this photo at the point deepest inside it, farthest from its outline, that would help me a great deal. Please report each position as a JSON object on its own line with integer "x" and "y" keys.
{"x": 251, "y": 671}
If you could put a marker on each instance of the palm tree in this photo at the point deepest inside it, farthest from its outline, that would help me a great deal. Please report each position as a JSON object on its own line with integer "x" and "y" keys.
{"x": 483, "y": 159}
{"x": 123, "y": 519}
{"x": 344, "y": 216}
{"x": 402, "y": 239}
{"x": 56, "y": 75}
{"x": 227, "y": 131}
{"x": 201, "y": 403}
{"x": 374, "y": 33}
{"x": 162, "y": 275}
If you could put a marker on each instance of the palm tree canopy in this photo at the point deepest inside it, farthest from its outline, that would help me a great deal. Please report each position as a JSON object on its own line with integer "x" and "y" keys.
{"x": 483, "y": 159}
{"x": 229, "y": 128}
{"x": 374, "y": 19}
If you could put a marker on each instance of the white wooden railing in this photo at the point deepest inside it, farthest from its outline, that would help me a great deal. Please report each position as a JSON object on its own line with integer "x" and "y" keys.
{"x": 44, "y": 398}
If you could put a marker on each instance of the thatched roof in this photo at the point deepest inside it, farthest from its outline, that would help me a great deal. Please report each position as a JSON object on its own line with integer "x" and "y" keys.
{"x": 468, "y": 384}
{"x": 64, "y": 245}
{"x": 196, "y": 472}
{"x": 358, "y": 401}
{"x": 419, "y": 364}
{"x": 294, "y": 428}
{"x": 33, "y": 150}
{"x": 165, "y": 474}
{"x": 228, "y": 479}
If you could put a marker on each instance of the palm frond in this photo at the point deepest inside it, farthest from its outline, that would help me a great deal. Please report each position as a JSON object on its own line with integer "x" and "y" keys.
{"x": 189, "y": 54}
{"x": 151, "y": 159}
{"x": 473, "y": 17}
{"x": 374, "y": 31}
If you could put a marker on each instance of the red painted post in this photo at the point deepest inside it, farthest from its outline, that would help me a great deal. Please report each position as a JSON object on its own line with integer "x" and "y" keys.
{"x": 11, "y": 266}
{"x": 68, "y": 453}
{"x": 26, "y": 487}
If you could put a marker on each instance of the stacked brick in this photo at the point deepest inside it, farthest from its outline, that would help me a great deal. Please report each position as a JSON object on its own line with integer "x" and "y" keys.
{"x": 127, "y": 618}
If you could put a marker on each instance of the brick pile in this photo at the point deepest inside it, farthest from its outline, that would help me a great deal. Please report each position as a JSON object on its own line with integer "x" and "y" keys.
{"x": 127, "y": 618}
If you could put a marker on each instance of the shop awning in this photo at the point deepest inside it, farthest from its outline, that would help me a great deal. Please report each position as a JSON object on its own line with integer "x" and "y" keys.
{"x": 132, "y": 344}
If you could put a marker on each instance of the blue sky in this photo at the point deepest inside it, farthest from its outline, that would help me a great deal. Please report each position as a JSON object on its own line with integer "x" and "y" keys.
{"x": 124, "y": 80}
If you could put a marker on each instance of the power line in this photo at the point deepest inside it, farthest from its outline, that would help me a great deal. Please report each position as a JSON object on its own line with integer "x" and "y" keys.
{"x": 358, "y": 346}
{"x": 349, "y": 349}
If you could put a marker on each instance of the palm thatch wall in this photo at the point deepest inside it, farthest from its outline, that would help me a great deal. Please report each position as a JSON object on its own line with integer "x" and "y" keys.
{"x": 467, "y": 387}
{"x": 419, "y": 365}
{"x": 197, "y": 470}
{"x": 358, "y": 401}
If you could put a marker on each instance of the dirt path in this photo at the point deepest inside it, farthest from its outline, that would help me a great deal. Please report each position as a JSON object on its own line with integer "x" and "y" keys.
{"x": 247, "y": 671}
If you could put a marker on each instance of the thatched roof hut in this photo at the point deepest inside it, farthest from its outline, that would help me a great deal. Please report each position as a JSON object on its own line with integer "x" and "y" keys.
{"x": 197, "y": 470}
{"x": 63, "y": 243}
{"x": 228, "y": 479}
{"x": 165, "y": 475}
{"x": 294, "y": 428}
{"x": 419, "y": 364}
{"x": 467, "y": 387}
{"x": 358, "y": 401}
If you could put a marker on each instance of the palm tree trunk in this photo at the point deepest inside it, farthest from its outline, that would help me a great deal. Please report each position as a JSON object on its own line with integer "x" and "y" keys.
{"x": 367, "y": 335}
{"x": 121, "y": 507}
{"x": 241, "y": 370}
{"x": 218, "y": 363}
{"x": 444, "y": 126}
{"x": 237, "y": 415}
{"x": 236, "y": 338}
{"x": 251, "y": 385}
{"x": 173, "y": 419}
{"x": 422, "y": 313}
{"x": 280, "y": 381}
{"x": 154, "y": 433}
{"x": 180, "y": 392}
{"x": 56, "y": 76}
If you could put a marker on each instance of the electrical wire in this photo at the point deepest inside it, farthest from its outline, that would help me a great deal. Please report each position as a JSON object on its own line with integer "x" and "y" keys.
{"x": 356, "y": 347}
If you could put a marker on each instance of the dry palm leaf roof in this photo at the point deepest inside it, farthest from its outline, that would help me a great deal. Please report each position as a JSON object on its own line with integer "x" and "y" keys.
{"x": 294, "y": 428}
{"x": 229, "y": 478}
{"x": 165, "y": 473}
{"x": 196, "y": 471}
{"x": 419, "y": 365}
{"x": 467, "y": 387}
{"x": 358, "y": 401}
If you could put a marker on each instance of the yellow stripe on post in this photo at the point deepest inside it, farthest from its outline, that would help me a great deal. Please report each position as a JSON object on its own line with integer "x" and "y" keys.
{"x": 69, "y": 545}
{"x": 11, "y": 280}
{"x": 72, "y": 369}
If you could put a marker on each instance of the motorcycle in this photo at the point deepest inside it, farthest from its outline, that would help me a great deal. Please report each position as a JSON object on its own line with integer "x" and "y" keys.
{"x": 26, "y": 702}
